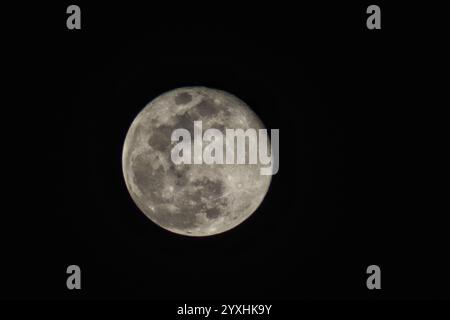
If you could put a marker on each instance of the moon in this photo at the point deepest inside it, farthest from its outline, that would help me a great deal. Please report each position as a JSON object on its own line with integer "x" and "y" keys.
{"x": 191, "y": 199}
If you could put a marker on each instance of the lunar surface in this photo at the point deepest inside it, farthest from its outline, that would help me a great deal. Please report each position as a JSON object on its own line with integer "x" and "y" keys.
{"x": 191, "y": 199}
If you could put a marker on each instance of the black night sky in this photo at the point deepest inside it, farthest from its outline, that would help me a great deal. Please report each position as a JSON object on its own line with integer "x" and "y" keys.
{"x": 314, "y": 72}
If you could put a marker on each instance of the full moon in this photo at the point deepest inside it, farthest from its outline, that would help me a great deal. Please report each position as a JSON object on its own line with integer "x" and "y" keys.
{"x": 191, "y": 199}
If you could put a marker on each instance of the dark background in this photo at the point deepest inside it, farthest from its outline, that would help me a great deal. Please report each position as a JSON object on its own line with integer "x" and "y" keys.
{"x": 340, "y": 202}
